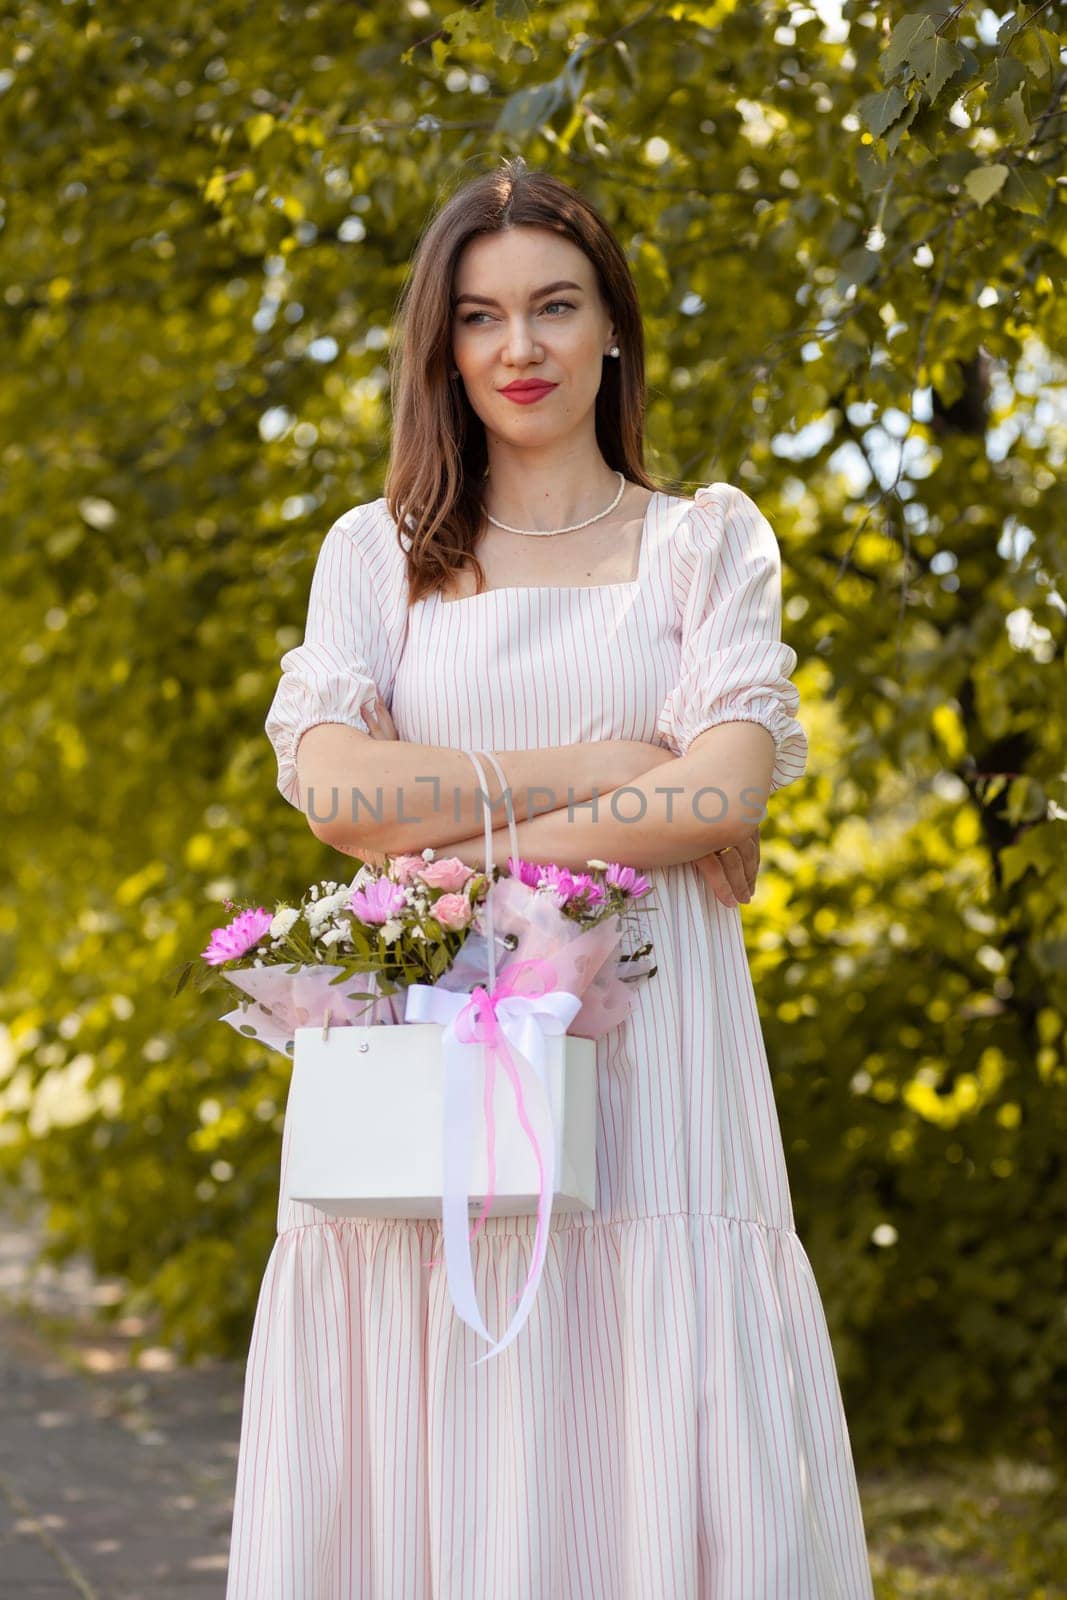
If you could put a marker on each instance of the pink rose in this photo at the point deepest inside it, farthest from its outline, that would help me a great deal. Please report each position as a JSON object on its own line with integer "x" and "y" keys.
{"x": 452, "y": 911}
{"x": 405, "y": 868}
{"x": 450, "y": 874}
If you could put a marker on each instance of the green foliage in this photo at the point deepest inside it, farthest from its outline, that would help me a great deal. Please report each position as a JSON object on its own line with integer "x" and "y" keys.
{"x": 847, "y": 242}
{"x": 966, "y": 1529}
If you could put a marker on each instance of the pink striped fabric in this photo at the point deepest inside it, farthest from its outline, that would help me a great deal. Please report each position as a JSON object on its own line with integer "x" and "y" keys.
{"x": 668, "y": 1424}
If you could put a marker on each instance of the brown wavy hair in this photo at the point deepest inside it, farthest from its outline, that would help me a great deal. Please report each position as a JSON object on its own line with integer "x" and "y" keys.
{"x": 438, "y": 456}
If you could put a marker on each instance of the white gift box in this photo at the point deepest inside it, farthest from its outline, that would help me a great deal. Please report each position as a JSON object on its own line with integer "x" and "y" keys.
{"x": 364, "y": 1122}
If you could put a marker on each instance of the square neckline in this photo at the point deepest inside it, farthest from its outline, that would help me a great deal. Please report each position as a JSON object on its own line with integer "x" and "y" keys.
{"x": 564, "y": 588}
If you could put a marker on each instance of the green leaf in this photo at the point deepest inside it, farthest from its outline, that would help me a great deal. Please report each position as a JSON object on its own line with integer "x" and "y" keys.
{"x": 907, "y": 33}
{"x": 982, "y": 183}
{"x": 1027, "y": 191}
{"x": 1005, "y": 75}
{"x": 936, "y": 60}
{"x": 1015, "y": 106}
{"x": 879, "y": 111}
{"x": 529, "y": 109}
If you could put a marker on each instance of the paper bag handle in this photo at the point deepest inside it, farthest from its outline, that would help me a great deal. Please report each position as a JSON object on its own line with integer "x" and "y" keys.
{"x": 509, "y": 809}
{"x": 513, "y": 836}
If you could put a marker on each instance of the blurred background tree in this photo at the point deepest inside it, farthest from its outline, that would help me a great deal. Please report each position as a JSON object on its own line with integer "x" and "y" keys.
{"x": 847, "y": 226}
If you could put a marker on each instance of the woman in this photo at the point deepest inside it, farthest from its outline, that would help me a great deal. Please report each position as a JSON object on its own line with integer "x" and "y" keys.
{"x": 668, "y": 1424}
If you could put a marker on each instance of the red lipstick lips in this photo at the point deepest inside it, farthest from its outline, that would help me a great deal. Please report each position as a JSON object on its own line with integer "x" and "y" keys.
{"x": 526, "y": 390}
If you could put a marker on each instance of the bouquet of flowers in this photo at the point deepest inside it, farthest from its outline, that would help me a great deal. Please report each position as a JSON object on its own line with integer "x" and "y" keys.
{"x": 420, "y": 941}
{"x": 422, "y": 920}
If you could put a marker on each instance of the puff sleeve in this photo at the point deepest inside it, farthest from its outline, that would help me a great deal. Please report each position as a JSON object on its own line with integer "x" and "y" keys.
{"x": 734, "y": 665}
{"x": 347, "y": 653}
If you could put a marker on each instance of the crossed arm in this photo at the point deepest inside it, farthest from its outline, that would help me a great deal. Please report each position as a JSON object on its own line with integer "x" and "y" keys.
{"x": 622, "y": 800}
{"x": 679, "y": 810}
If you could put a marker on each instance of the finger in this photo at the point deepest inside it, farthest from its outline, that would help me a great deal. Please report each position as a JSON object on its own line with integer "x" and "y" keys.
{"x": 747, "y": 853}
{"x": 379, "y": 722}
{"x": 711, "y": 870}
{"x": 733, "y": 870}
{"x": 748, "y": 858}
{"x": 386, "y": 721}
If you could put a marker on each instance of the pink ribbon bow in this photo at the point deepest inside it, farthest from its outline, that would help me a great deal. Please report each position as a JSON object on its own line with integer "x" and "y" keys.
{"x": 505, "y": 1022}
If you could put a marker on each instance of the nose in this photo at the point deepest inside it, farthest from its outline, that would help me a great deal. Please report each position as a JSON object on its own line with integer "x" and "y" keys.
{"x": 519, "y": 343}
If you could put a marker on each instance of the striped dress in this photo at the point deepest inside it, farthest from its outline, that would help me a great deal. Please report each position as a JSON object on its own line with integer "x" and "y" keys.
{"x": 668, "y": 1424}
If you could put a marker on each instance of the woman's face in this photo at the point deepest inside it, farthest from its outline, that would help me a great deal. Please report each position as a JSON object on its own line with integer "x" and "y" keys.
{"x": 526, "y": 305}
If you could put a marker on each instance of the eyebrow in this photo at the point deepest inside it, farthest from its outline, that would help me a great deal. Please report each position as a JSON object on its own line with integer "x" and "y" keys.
{"x": 548, "y": 288}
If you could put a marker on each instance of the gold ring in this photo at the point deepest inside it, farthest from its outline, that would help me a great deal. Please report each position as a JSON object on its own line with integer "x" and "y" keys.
{"x": 724, "y": 849}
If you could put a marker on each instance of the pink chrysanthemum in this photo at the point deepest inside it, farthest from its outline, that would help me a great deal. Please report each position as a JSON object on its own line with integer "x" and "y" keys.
{"x": 584, "y": 886}
{"x": 238, "y": 937}
{"x": 568, "y": 886}
{"x": 528, "y": 872}
{"x": 628, "y": 879}
{"x": 379, "y": 901}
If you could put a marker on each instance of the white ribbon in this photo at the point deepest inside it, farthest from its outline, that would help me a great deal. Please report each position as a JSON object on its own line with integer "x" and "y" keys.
{"x": 524, "y": 1020}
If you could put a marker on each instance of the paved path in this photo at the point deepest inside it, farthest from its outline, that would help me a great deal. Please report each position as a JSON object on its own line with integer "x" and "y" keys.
{"x": 115, "y": 1480}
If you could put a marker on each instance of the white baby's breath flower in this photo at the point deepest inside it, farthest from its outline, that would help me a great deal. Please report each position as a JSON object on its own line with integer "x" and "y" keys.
{"x": 283, "y": 921}
{"x": 320, "y": 912}
{"x": 602, "y": 865}
{"x": 427, "y": 854}
{"x": 331, "y": 936}
{"x": 392, "y": 930}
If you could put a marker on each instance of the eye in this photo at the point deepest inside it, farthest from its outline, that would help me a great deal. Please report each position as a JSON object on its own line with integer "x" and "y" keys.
{"x": 567, "y": 305}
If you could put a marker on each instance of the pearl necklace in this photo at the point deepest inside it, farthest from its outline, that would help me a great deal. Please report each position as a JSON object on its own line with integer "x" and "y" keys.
{"x": 574, "y": 525}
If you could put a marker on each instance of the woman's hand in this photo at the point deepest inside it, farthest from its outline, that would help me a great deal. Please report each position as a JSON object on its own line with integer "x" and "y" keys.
{"x": 381, "y": 726}
{"x": 732, "y": 875}
{"x": 379, "y": 721}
